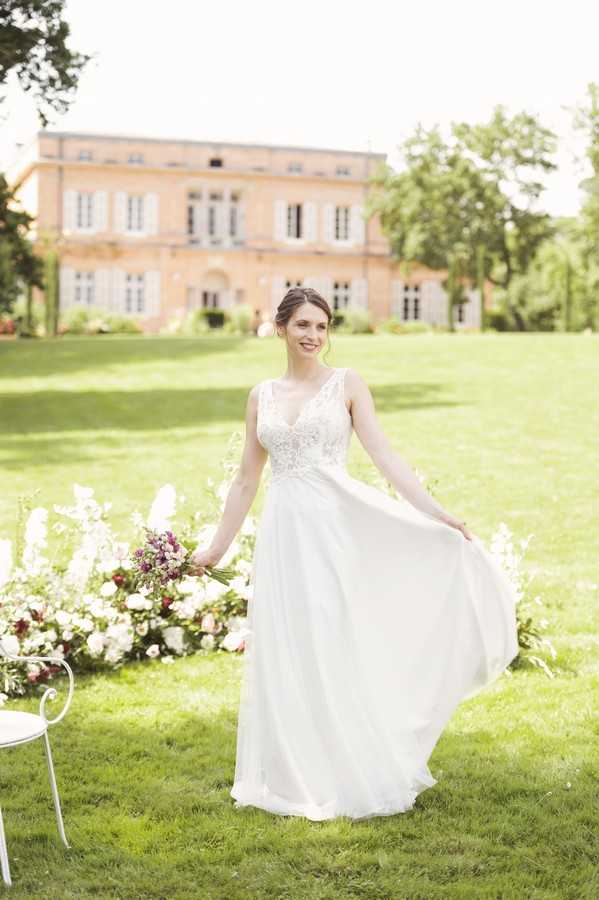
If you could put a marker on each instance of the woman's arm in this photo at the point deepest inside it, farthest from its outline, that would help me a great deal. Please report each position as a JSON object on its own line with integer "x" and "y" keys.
{"x": 387, "y": 461}
{"x": 241, "y": 493}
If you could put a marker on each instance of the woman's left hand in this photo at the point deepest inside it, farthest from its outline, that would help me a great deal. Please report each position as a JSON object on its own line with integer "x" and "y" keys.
{"x": 460, "y": 526}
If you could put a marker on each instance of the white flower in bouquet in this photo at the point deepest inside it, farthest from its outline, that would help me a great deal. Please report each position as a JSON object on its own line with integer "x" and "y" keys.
{"x": 234, "y": 639}
{"x": 36, "y": 531}
{"x": 174, "y": 638}
{"x": 153, "y": 651}
{"x": 214, "y": 590}
{"x": 163, "y": 508}
{"x": 142, "y": 629}
{"x": 108, "y": 589}
{"x": 208, "y": 622}
{"x": 9, "y": 643}
{"x": 138, "y": 601}
{"x": 240, "y": 586}
{"x": 207, "y": 642}
{"x": 83, "y": 623}
{"x": 95, "y": 643}
{"x": 119, "y": 640}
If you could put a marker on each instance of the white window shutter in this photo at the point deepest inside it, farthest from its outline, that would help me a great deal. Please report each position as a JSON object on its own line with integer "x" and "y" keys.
{"x": 118, "y": 292}
{"x": 328, "y": 223}
{"x": 152, "y": 293}
{"x": 359, "y": 293}
{"x": 69, "y": 210}
{"x": 277, "y": 292}
{"x": 357, "y": 226}
{"x": 100, "y": 202}
{"x": 150, "y": 214}
{"x": 120, "y": 212}
{"x": 102, "y": 289}
{"x": 397, "y": 298}
{"x": 66, "y": 287}
{"x": 310, "y": 221}
{"x": 241, "y": 222}
{"x": 326, "y": 289}
{"x": 280, "y": 220}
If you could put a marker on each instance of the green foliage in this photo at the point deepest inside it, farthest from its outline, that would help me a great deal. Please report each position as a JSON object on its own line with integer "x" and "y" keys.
{"x": 393, "y": 325}
{"x": 19, "y": 266}
{"x": 33, "y": 46}
{"x": 239, "y": 319}
{"x": 93, "y": 320}
{"x": 51, "y": 288}
{"x": 452, "y": 206}
{"x": 195, "y": 323}
{"x": 356, "y": 321}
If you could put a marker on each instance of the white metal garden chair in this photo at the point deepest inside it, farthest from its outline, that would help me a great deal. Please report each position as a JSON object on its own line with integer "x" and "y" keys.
{"x": 18, "y": 727}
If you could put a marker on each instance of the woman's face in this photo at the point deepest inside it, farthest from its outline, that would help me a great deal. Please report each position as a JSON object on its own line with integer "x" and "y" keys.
{"x": 306, "y": 330}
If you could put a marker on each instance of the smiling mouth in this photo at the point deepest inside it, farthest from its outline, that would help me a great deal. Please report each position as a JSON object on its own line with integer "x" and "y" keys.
{"x": 309, "y": 346}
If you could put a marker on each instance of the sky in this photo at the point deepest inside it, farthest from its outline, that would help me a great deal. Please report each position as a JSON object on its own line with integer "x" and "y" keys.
{"x": 326, "y": 73}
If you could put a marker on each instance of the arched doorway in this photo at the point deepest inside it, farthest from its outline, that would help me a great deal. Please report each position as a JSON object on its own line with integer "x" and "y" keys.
{"x": 212, "y": 293}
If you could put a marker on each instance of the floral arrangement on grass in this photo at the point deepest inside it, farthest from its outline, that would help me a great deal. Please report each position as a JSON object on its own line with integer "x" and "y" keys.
{"x": 90, "y": 604}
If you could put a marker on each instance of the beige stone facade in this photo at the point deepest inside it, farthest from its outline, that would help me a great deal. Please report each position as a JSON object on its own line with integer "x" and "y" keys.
{"x": 152, "y": 228}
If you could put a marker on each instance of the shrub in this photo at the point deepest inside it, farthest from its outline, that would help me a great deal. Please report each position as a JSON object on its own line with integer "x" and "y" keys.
{"x": 396, "y": 326}
{"x": 194, "y": 323}
{"x": 239, "y": 319}
{"x": 498, "y": 319}
{"x": 356, "y": 321}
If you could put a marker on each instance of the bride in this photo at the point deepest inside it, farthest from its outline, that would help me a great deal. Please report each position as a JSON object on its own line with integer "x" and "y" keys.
{"x": 370, "y": 618}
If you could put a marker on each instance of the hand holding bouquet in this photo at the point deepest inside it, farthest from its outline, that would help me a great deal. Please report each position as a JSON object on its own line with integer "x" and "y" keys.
{"x": 163, "y": 558}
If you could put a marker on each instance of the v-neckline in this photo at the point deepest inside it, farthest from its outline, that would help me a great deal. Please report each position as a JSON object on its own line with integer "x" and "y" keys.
{"x": 304, "y": 406}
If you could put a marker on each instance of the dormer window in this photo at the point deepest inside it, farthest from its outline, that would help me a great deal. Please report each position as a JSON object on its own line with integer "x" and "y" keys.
{"x": 136, "y": 158}
{"x": 85, "y": 155}
{"x": 216, "y": 162}
{"x": 295, "y": 167}
{"x": 343, "y": 170}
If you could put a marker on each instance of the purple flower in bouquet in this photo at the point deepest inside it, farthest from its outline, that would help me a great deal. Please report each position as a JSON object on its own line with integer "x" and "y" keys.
{"x": 163, "y": 558}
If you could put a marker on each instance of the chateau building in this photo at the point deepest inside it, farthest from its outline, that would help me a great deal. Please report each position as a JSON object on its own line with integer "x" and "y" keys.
{"x": 153, "y": 228}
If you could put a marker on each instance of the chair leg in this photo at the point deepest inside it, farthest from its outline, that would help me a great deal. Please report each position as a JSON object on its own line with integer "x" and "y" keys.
{"x": 55, "y": 791}
{"x": 4, "y": 854}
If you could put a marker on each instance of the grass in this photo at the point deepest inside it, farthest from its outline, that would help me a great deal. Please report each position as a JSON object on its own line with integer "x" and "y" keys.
{"x": 505, "y": 426}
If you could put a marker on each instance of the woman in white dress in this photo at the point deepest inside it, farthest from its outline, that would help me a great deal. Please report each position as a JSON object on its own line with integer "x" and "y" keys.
{"x": 371, "y": 618}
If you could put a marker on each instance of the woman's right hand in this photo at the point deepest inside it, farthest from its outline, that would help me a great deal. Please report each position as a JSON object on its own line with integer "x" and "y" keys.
{"x": 200, "y": 559}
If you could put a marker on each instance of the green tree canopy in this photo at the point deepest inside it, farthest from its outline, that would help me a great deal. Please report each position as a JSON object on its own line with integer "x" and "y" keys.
{"x": 466, "y": 205}
{"x": 19, "y": 265}
{"x": 33, "y": 45}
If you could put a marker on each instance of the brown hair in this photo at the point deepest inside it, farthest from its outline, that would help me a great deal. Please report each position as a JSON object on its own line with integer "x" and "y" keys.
{"x": 294, "y": 298}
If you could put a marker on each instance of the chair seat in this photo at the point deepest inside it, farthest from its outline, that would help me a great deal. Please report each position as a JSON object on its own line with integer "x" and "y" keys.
{"x": 16, "y": 727}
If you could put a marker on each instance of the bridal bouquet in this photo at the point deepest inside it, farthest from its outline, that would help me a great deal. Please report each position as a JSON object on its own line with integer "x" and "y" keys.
{"x": 163, "y": 558}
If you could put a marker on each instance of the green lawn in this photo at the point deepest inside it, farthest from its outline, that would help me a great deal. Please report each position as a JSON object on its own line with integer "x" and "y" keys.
{"x": 506, "y": 427}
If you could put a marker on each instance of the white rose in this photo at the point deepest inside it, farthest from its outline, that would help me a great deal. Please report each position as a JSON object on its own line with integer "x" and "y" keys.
{"x": 207, "y": 642}
{"x": 136, "y": 601}
{"x": 95, "y": 643}
{"x": 108, "y": 589}
{"x": 233, "y": 640}
{"x": 62, "y": 617}
{"x": 10, "y": 644}
{"x": 153, "y": 651}
{"x": 141, "y": 629}
{"x": 174, "y": 638}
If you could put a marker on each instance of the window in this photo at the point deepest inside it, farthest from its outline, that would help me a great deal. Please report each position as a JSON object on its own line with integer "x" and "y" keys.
{"x": 411, "y": 302}
{"x": 136, "y": 158}
{"x": 341, "y": 294}
{"x": 460, "y": 308}
{"x": 85, "y": 155}
{"x": 215, "y": 199}
{"x": 292, "y": 284}
{"x": 135, "y": 213}
{"x": 294, "y": 220}
{"x": 84, "y": 211}
{"x": 134, "y": 294}
{"x": 84, "y": 288}
{"x": 210, "y": 299}
{"x": 342, "y": 223}
{"x": 343, "y": 170}
{"x": 194, "y": 206}
{"x": 215, "y": 163}
{"x": 295, "y": 167}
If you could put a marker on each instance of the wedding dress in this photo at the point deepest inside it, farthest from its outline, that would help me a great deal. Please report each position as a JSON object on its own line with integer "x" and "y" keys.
{"x": 369, "y": 622}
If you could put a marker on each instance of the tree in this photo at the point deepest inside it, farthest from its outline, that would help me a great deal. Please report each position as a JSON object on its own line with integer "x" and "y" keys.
{"x": 586, "y": 120}
{"x": 33, "y": 45}
{"x": 466, "y": 205}
{"x": 19, "y": 265}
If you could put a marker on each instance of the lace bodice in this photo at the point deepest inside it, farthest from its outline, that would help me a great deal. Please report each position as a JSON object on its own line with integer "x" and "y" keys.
{"x": 320, "y": 435}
